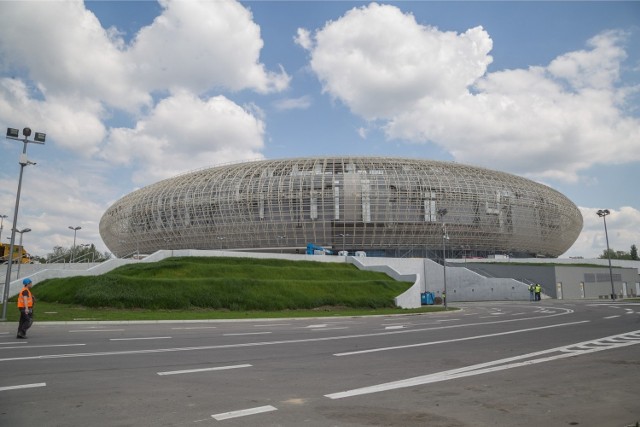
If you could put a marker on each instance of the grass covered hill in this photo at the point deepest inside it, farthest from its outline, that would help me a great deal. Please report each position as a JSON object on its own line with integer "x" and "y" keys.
{"x": 237, "y": 284}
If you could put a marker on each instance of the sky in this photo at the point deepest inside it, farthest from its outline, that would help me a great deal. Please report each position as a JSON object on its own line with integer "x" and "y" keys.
{"x": 132, "y": 92}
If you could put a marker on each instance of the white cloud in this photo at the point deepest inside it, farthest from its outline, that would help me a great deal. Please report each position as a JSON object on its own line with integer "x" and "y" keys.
{"x": 76, "y": 127}
{"x": 426, "y": 85}
{"x": 301, "y": 103}
{"x": 65, "y": 50}
{"x": 184, "y": 133}
{"x": 303, "y": 38}
{"x": 202, "y": 45}
{"x": 623, "y": 226}
{"x": 380, "y": 62}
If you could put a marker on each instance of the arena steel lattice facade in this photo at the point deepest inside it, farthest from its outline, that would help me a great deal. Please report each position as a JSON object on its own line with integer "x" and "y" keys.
{"x": 383, "y": 206}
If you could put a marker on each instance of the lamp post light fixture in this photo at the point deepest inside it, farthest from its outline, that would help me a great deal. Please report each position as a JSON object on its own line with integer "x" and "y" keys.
{"x": 24, "y": 230}
{"x": 442, "y": 212}
{"x": 38, "y": 138}
{"x": 280, "y": 241}
{"x": 602, "y": 213}
{"x": 73, "y": 250}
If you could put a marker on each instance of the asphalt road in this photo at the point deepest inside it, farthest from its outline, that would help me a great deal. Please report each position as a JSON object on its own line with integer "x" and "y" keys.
{"x": 550, "y": 363}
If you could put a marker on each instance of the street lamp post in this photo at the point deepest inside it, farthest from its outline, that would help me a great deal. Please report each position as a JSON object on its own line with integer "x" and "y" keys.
{"x": 602, "y": 213}
{"x": 280, "y": 241}
{"x": 38, "y": 138}
{"x": 24, "y": 230}
{"x": 73, "y": 250}
{"x": 442, "y": 212}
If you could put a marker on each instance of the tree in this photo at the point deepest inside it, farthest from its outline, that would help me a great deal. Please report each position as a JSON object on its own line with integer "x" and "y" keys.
{"x": 82, "y": 253}
{"x": 613, "y": 254}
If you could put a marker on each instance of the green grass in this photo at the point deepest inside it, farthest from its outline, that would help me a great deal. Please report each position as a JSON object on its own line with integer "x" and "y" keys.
{"x": 216, "y": 288}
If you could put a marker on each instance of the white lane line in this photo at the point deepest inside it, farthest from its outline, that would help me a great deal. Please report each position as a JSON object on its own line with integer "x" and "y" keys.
{"x": 197, "y": 327}
{"x": 322, "y": 325}
{"x": 330, "y": 329}
{"x": 271, "y": 324}
{"x": 97, "y": 330}
{"x": 395, "y": 327}
{"x": 13, "y": 342}
{"x": 264, "y": 343}
{"x": 39, "y": 346}
{"x": 246, "y": 333}
{"x": 218, "y": 368}
{"x": 243, "y": 412}
{"x": 611, "y": 317}
{"x": 139, "y": 338}
{"x": 475, "y": 337}
{"x": 572, "y": 350}
{"x": 18, "y": 387}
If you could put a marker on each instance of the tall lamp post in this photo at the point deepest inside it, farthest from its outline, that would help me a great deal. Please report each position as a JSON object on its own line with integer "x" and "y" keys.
{"x": 602, "y": 213}
{"x": 24, "y": 230}
{"x": 38, "y": 138}
{"x": 73, "y": 250}
{"x": 442, "y": 212}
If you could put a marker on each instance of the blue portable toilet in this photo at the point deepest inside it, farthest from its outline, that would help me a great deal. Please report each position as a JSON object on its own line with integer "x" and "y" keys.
{"x": 426, "y": 298}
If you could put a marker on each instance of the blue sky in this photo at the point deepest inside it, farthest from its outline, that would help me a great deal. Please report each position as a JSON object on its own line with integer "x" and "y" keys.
{"x": 133, "y": 92}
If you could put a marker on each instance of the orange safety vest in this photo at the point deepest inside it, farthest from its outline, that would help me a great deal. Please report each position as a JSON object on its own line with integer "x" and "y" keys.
{"x": 29, "y": 298}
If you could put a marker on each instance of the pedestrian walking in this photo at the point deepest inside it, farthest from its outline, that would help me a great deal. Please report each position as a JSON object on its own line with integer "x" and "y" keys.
{"x": 532, "y": 289}
{"x": 538, "y": 290}
{"x": 25, "y": 305}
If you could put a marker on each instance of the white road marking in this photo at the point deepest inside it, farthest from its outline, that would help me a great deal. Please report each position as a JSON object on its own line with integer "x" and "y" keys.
{"x": 13, "y": 342}
{"x": 97, "y": 330}
{"x": 18, "y": 387}
{"x": 330, "y": 329}
{"x": 197, "y": 327}
{"x": 395, "y": 327}
{"x": 246, "y": 333}
{"x": 218, "y": 368}
{"x": 139, "y": 338}
{"x": 243, "y": 412}
{"x": 39, "y": 346}
{"x": 322, "y": 325}
{"x": 611, "y": 317}
{"x": 271, "y": 324}
{"x": 263, "y": 343}
{"x": 475, "y": 337}
{"x": 578, "y": 349}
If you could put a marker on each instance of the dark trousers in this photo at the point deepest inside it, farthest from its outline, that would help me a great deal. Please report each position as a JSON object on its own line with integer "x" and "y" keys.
{"x": 26, "y": 320}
